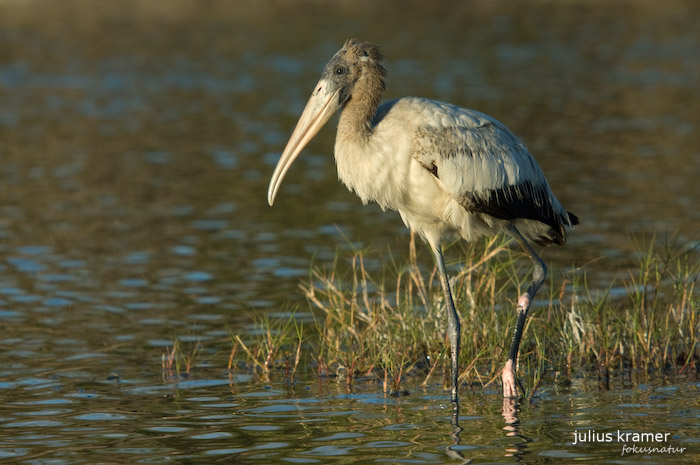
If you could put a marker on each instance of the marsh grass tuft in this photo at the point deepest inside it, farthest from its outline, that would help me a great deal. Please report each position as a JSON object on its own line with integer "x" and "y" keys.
{"x": 383, "y": 320}
{"x": 180, "y": 358}
{"x": 274, "y": 345}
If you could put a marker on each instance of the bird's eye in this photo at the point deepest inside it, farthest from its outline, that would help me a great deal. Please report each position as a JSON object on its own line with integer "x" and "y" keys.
{"x": 340, "y": 70}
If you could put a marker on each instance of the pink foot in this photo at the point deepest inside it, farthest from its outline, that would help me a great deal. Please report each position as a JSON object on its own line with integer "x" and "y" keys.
{"x": 508, "y": 377}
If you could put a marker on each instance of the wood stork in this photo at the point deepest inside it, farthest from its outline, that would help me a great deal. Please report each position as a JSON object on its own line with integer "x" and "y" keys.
{"x": 447, "y": 170}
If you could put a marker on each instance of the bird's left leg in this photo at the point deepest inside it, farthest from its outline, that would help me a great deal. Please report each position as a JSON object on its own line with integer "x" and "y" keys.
{"x": 538, "y": 274}
{"x": 453, "y": 325}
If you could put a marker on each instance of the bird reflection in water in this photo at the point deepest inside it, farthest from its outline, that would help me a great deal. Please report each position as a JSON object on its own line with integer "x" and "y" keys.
{"x": 453, "y": 449}
{"x": 512, "y": 428}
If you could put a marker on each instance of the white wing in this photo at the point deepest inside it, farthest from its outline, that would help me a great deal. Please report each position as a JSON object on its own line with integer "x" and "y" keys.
{"x": 479, "y": 162}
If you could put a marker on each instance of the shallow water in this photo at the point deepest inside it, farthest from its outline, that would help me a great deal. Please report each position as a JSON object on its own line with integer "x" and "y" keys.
{"x": 137, "y": 140}
{"x": 72, "y": 417}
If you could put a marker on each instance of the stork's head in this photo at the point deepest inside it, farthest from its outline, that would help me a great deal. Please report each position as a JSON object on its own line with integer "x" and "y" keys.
{"x": 349, "y": 64}
{"x": 335, "y": 89}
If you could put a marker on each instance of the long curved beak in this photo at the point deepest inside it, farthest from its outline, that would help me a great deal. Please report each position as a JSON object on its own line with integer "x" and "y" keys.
{"x": 319, "y": 109}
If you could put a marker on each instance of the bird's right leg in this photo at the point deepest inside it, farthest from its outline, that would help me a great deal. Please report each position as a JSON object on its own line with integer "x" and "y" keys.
{"x": 538, "y": 274}
{"x": 453, "y": 325}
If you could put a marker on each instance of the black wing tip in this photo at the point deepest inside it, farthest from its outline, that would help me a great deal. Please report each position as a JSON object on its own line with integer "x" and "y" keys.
{"x": 573, "y": 219}
{"x": 560, "y": 231}
{"x": 546, "y": 241}
{"x": 523, "y": 201}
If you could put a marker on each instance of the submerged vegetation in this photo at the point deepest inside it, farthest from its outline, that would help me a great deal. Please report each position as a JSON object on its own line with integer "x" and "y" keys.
{"x": 383, "y": 320}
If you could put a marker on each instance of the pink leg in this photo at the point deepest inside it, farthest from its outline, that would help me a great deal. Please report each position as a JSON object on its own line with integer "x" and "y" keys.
{"x": 508, "y": 376}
